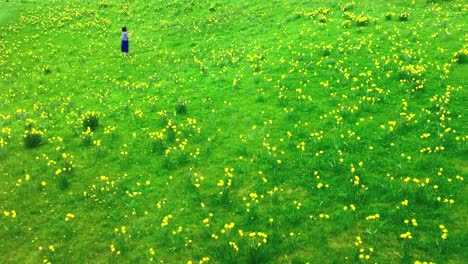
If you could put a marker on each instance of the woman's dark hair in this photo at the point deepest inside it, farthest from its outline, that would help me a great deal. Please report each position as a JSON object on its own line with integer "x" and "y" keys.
{"x": 124, "y": 29}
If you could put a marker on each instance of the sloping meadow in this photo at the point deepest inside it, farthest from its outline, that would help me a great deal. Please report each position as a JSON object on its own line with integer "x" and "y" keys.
{"x": 235, "y": 132}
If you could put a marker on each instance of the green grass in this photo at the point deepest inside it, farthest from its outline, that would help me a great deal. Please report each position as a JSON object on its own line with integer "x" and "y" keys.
{"x": 293, "y": 131}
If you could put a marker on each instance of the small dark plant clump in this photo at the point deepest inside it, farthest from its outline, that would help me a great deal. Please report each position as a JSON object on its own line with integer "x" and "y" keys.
{"x": 87, "y": 136}
{"x": 389, "y": 15}
{"x": 461, "y": 57}
{"x": 47, "y": 70}
{"x": 63, "y": 182}
{"x": 103, "y": 5}
{"x": 326, "y": 50}
{"x": 171, "y": 133}
{"x": 158, "y": 145}
{"x": 404, "y": 17}
{"x": 32, "y": 138}
{"x": 258, "y": 250}
{"x": 91, "y": 121}
{"x": 362, "y": 21}
{"x": 322, "y": 19}
{"x": 347, "y": 7}
{"x": 181, "y": 108}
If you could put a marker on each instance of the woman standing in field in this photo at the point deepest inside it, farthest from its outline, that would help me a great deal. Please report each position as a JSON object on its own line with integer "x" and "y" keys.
{"x": 125, "y": 38}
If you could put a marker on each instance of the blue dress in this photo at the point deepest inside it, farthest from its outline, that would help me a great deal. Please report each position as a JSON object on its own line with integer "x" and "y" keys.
{"x": 124, "y": 45}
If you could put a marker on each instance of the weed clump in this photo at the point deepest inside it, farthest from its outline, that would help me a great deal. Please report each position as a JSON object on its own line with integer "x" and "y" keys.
{"x": 326, "y": 50}
{"x": 347, "y": 7}
{"x": 47, "y": 70}
{"x": 181, "y": 108}
{"x": 362, "y": 21}
{"x": 258, "y": 250}
{"x": 62, "y": 182}
{"x": 103, "y": 5}
{"x": 87, "y": 136}
{"x": 91, "y": 121}
{"x": 322, "y": 19}
{"x": 389, "y": 15}
{"x": 461, "y": 57}
{"x": 404, "y": 17}
{"x": 32, "y": 137}
{"x": 158, "y": 145}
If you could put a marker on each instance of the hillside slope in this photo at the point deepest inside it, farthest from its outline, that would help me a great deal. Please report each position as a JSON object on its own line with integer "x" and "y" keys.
{"x": 236, "y": 132}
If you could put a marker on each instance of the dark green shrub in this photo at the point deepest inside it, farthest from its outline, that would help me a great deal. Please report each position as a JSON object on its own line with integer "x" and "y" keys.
{"x": 461, "y": 57}
{"x": 32, "y": 138}
{"x": 347, "y": 7}
{"x": 181, "y": 108}
{"x": 326, "y": 50}
{"x": 47, "y": 70}
{"x": 63, "y": 182}
{"x": 91, "y": 120}
{"x": 404, "y": 16}
{"x": 103, "y": 5}
{"x": 158, "y": 146}
{"x": 389, "y": 15}
{"x": 362, "y": 21}
{"x": 322, "y": 19}
{"x": 87, "y": 136}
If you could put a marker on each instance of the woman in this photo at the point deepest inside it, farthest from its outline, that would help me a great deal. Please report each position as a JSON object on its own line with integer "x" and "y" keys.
{"x": 125, "y": 38}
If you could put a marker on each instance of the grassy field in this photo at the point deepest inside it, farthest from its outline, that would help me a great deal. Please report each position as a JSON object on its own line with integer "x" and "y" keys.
{"x": 240, "y": 131}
